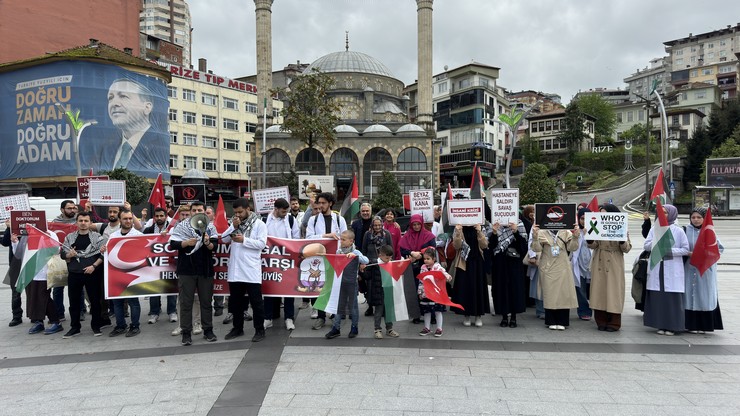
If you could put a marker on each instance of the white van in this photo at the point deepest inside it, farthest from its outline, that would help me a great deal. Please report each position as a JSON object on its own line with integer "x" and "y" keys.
{"x": 39, "y": 203}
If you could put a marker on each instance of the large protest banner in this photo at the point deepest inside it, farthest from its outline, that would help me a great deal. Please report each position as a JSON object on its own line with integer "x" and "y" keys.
{"x": 606, "y": 226}
{"x": 145, "y": 266}
{"x": 37, "y": 141}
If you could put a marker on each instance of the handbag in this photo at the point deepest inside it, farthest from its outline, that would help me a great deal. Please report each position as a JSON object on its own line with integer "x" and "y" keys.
{"x": 640, "y": 268}
{"x": 57, "y": 273}
{"x": 511, "y": 252}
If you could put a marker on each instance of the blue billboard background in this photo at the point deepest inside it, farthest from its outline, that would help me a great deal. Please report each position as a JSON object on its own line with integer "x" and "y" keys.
{"x": 131, "y": 111}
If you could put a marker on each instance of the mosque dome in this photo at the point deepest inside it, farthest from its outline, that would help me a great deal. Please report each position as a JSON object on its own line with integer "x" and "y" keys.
{"x": 377, "y": 128}
{"x": 349, "y": 61}
{"x": 276, "y": 128}
{"x": 410, "y": 128}
{"x": 344, "y": 128}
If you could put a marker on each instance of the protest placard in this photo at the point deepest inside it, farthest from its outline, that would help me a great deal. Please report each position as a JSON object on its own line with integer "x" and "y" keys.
{"x": 264, "y": 199}
{"x": 310, "y": 184}
{"x": 465, "y": 211}
{"x": 504, "y": 206}
{"x": 189, "y": 193}
{"x": 9, "y": 203}
{"x": 83, "y": 185}
{"x": 19, "y": 219}
{"x": 555, "y": 216}
{"x": 111, "y": 193}
{"x": 421, "y": 201}
{"x": 606, "y": 226}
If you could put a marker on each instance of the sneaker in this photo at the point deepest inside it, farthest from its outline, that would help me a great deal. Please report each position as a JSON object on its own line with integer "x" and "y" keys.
{"x": 258, "y": 336}
{"x": 438, "y": 332}
{"x": 234, "y": 333}
{"x": 669, "y": 333}
{"x": 478, "y": 321}
{"x": 97, "y": 333}
{"x": 268, "y": 323}
{"x": 177, "y": 331}
{"x": 392, "y": 333}
{"x": 553, "y": 327}
{"x": 209, "y": 336}
{"x": 117, "y": 331}
{"x": 304, "y": 305}
{"x": 424, "y": 332}
{"x": 378, "y": 334}
{"x": 71, "y": 333}
{"x": 314, "y": 313}
{"x": 173, "y": 317}
{"x": 15, "y": 322}
{"x": 106, "y": 324}
{"x": 229, "y": 318}
{"x": 333, "y": 333}
{"x": 36, "y": 328}
{"x": 247, "y": 316}
{"x": 186, "y": 339}
{"x": 153, "y": 319}
{"x": 289, "y": 324}
{"x": 133, "y": 331}
{"x": 53, "y": 329}
{"x": 661, "y": 332}
{"x": 319, "y": 324}
{"x": 466, "y": 321}
{"x": 584, "y": 318}
{"x": 353, "y": 332}
{"x": 561, "y": 328}
{"x": 197, "y": 328}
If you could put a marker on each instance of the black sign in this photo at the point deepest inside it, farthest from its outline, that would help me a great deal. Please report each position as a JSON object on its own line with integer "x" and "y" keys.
{"x": 187, "y": 193}
{"x": 723, "y": 172}
{"x": 555, "y": 216}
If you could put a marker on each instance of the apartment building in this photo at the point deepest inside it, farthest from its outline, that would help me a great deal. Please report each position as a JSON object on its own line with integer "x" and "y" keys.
{"x": 169, "y": 20}
{"x": 547, "y": 127}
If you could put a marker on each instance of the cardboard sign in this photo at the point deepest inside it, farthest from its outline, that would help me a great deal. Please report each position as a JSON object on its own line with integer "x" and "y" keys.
{"x": 465, "y": 211}
{"x": 83, "y": 185}
{"x": 422, "y": 202}
{"x": 188, "y": 193}
{"x": 555, "y": 216}
{"x": 504, "y": 206}
{"x": 111, "y": 193}
{"x": 19, "y": 219}
{"x": 605, "y": 226}
{"x": 264, "y": 199}
{"x": 13, "y": 203}
{"x": 310, "y": 184}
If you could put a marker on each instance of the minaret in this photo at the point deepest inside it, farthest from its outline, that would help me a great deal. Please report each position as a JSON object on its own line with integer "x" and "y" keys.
{"x": 263, "y": 9}
{"x": 424, "y": 81}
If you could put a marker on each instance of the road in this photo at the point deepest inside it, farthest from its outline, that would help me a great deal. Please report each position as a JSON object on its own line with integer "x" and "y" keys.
{"x": 620, "y": 196}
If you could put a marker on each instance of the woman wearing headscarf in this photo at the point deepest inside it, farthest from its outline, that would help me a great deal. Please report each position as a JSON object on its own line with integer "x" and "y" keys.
{"x": 412, "y": 245}
{"x": 394, "y": 229}
{"x": 556, "y": 274}
{"x": 607, "y": 280}
{"x": 581, "y": 262}
{"x": 664, "y": 305}
{"x": 470, "y": 289}
{"x": 700, "y": 299}
{"x": 509, "y": 246}
{"x": 375, "y": 238}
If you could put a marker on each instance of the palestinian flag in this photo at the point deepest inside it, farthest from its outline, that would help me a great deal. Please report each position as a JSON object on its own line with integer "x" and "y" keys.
{"x": 41, "y": 247}
{"x": 662, "y": 237}
{"x": 337, "y": 292}
{"x": 476, "y": 183}
{"x": 658, "y": 189}
{"x": 394, "y": 293}
{"x": 351, "y": 205}
{"x": 446, "y": 227}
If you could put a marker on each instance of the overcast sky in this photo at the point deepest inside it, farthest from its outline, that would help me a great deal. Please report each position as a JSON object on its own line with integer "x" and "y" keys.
{"x": 543, "y": 45}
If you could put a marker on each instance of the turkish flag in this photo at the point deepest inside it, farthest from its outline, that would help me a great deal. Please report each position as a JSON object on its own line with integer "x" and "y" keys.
{"x": 593, "y": 206}
{"x": 706, "y": 249}
{"x": 435, "y": 288}
{"x": 156, "y": 198}
{"x": 219, "y": 219}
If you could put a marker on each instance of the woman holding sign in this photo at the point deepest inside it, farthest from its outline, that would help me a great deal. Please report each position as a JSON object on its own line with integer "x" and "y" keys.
{"x": 509, "y": 245}
{"x": 607, "y": 279}
{"x": 556, "y": 274}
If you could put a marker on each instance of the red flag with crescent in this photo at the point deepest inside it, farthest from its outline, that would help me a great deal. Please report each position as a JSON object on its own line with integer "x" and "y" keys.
{"x": 706, "y": 249}
{"x": 435, "y": 288}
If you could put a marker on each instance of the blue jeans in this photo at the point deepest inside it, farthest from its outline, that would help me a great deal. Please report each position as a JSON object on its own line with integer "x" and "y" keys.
{"x": 539, "y": 307}
{"x": 155, "y": 305}
{"x": 57, "y": 294}
{"x": 583, "y": 308}
{"x": 133, "y": 303}
{"x": 354, "y": 315}
{"x": 288, "y": 306}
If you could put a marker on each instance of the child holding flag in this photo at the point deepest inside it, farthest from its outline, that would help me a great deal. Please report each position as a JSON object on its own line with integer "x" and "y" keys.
{"x": 385, "y": 255}
{"x": 427, "y": 305}
{"x": 348, "y": 291}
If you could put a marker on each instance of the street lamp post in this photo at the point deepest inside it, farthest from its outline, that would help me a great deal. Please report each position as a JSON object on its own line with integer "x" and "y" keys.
{"x": 78, "y": 126}
{"x": 512, "y": 122}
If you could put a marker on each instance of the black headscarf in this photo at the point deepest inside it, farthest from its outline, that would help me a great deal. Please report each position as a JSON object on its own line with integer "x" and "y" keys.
{"x": 610, "y": 208}
{"x": 701, "y": 211}
{"x": 581, "y": 213}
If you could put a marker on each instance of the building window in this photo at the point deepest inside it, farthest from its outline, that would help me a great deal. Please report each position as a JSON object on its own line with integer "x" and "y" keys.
{"x": 231, "y": 144}
{"x": 701, "y": 110}
{"x": 630, "y": 116}
{"x": 463, "y": 83}
{"x": 188, "y": 117}
{"x": 231, "y": 166}
{"x": 686, "y": 119}
{"x": 707, "y": 71}
{"x": 412, "y": 158}
{"x": 727, "y": 68}
{"x": 556, "y": 125}
{"x": 209, "y": 164}
{"x": 548, "y": 125}
{"x": 312, "y": 161}
{"x": 231, "y": 103}
{"x": 208, "y": 121}
{"x": 173, "y": 162}
{"x": 251, "y": 108}
{"x": 209, "y": 99}
{"x": 693, "y": 73}
{"x": 679, "y": 61}
{"x": 251, "y": 128}
{"x": 210, "y": 142}
{"x": 277, "y": 161}
{"x": 534, "y": 128}
{"x": 700, "y": 95}
{"x": 247, "y": 147}
{"x": 679, "y": 52}
{"x": 173, "y": 137}
{"x": 377, "y": 159}
{"x": 172, "y": 92}
{"x": 641, "y": 115}
{"x": 247, "y": 167}
{"x": 230, "y": 124}
{"x": 442, "y": 87}
{"x": 710, "y": 45}
{"x": 343, "y": 163}
{"x": 188, "y": 95}
{"x": 275, "y": 113}
{"x": 189, "y": 139}
{"x": 173, "y": 114}
{"x": 189, "y": 162}
{"x": 619, "y": 117}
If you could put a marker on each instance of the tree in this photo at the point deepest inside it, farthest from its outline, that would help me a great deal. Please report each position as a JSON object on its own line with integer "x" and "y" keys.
{"x": 137, "y": 187}
{"x": 310, "y": 114}
{"x": 730, "y": 148}
{"x": 530, "y": 149}
{"x": 606, "y": 118}
{"x": 535, "y": 186}
{"x": 289, "y": 179}
{"x": 573, "y": 133}
{"x": 636, "y": 134}
{"x": 722, "y": 124}
{"x": 389, "y": 193}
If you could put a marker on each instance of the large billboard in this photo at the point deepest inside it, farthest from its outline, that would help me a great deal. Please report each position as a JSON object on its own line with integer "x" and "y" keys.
{"x": 723, "y": 172}
{"x": 129, "y": 112}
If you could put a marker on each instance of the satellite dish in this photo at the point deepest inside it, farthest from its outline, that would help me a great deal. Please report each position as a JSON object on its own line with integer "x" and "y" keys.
{"x": 199, "y": 222}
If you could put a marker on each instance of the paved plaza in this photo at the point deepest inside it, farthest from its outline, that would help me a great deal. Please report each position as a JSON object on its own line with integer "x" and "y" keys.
{"x": 528, "y": 370}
